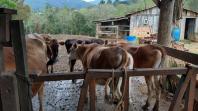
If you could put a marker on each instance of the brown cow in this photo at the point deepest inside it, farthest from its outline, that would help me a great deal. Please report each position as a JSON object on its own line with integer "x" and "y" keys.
{"x": 52, "y": 49}
{"x": 148, "y": 56}
{"x": 36, "y": 59}
{"x": 96, "y": 56}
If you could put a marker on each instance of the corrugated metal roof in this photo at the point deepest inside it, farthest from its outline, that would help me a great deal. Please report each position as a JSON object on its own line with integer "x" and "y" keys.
{"x": 113, "y": 19}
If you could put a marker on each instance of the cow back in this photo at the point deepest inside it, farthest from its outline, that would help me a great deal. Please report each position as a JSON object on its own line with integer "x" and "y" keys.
{"x": 36, "y": 56}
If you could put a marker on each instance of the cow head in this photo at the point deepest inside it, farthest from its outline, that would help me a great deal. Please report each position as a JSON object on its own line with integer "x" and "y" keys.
{"x": 52, "y": 48}
{"x": 73, "y": 52}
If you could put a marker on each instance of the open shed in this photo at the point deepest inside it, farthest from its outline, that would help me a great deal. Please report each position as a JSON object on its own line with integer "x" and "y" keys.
{"x": 144, "y": 23}
{"x": 113, "y": 27}
{"x": 150, "y": 18}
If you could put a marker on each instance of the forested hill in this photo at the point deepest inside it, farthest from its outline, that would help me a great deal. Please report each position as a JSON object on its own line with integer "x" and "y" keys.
{"x": 67, "y": 20}
{"x": 41, "y": 4}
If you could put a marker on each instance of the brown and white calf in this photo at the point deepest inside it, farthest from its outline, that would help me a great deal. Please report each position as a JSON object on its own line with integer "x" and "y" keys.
{"x": 36, "y": 59}
{"x": 149, "y": 56}
{"x": 94, "y": 56}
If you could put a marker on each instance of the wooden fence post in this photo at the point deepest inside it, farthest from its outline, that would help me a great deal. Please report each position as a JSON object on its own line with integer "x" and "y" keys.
{"x": 9, "y": 92}
{"x": 83, "y": 93}
{"x": 189, "y": 103}
{"x": 19, "y": 46}
{"x": 92, "y": 93}
{"x": 126, "y": 96}
{"x": 5, "y": 17}
{"x": 181, "y": 90}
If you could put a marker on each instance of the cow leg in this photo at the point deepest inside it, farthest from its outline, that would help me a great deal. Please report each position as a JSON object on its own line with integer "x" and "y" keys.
{"x": 40, "y": 97}
{"x": 148, "y": 80}
{"x": 71, "y": 64}
{"x": 47, "y": 69}
{"x": 130, "y": 86}
{"x": 52, "y": 69}
{"x": 118, "y": 92}
{"x": 107, "y": 89}
{"x": 158, "y": 93}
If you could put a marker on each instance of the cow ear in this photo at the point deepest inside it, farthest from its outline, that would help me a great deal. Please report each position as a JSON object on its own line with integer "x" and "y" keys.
{"x": 75, "y": 45}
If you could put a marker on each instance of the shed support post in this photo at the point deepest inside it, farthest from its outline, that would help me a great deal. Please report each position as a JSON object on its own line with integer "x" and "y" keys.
{"x": 19, "y": 46}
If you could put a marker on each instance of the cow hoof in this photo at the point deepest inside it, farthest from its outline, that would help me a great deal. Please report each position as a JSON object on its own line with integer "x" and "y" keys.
{"x": 145, "y": 107}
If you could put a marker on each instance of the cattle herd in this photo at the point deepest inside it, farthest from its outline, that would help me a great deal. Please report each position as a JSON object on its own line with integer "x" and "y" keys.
{"x": 42, "y": 54}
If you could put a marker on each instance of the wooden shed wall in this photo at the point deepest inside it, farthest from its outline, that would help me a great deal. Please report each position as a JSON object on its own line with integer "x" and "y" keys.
{"x": 152, "y": 15}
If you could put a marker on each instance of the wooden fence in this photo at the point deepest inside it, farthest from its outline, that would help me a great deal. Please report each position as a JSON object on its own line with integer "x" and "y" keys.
{"x": 16, "y": 88}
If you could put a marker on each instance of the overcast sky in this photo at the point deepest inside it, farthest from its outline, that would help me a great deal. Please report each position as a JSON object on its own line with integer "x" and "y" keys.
{"x": 88, "y": 0}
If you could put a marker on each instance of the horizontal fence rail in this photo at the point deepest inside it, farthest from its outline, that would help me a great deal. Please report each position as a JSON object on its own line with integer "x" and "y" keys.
{"x": 182, "y": 55}
{"x": 106, "y": 73}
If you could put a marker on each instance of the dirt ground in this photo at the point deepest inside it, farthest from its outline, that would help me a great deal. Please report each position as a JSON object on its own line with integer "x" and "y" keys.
{"x": 63, "y": 95}
{"x": 193, "y": 47}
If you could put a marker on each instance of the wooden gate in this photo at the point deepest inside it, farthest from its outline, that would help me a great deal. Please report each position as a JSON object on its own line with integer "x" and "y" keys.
{"x": 14, "y": 86}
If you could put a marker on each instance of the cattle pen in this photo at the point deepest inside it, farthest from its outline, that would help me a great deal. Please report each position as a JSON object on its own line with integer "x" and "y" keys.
{"x": 13, "y": 85}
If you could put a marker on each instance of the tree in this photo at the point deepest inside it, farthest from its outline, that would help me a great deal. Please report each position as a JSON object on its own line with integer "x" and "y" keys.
{"x": 133, "y": 1}
{"x": 23, "y": 11}
{"x": 116, "y": 2}
{"x": 78, "y": 22}
{"x": 102, "y": 2}
{"x": 7, "y": 4}
{"x": 165, "y": 21}
{"x": 193, "y": 4}
{"x": 109, "y": 2}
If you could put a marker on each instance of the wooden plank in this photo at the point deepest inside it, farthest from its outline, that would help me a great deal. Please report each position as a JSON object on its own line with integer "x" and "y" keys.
{"x": 106, "y": 73}
{"x": 126, "y": 96}
{"x": 191, "y": 94}
{"x": 83, "y": 93}
{"x": 5, "y": 27}
{"x": 182, "y": 55}
{"x": 180, "y": 91}
{"x": 9, "y": 92}
{"x": 2, "y": 35}
{"x": 57, "y": 76}
{"x": 7, "y": 11}
{"x": 19, "y": 46}
{"x": 92, "y": 92}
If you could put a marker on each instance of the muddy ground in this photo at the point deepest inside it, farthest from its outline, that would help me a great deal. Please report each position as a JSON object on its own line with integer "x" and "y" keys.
{"x": 63, "y": 95}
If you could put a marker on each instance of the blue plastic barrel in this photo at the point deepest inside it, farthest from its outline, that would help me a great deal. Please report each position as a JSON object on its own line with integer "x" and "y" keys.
{"x": 176, "y": 33}
{"x": 130, "y": 38}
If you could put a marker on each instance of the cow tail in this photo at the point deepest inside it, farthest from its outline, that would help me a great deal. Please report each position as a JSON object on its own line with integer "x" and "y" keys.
{"x": 125, "y": 60}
